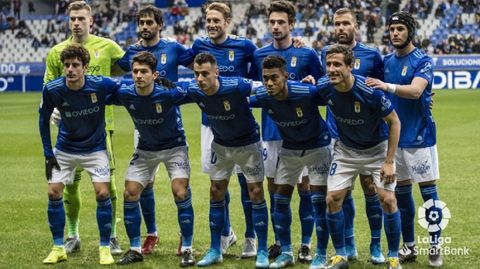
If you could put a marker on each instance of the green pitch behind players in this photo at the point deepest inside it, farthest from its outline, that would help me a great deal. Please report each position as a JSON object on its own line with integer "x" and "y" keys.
{"x": 104, "y": 53}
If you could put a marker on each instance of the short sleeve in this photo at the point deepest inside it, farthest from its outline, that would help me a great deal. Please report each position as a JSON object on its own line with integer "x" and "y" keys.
{"x": 425, "y": 69}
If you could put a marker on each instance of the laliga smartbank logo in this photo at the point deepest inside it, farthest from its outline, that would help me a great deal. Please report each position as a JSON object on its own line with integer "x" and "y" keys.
{"x": 434, "y": 215}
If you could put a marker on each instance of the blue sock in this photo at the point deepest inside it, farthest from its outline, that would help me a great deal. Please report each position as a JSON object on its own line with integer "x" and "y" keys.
{"x": 407, "y": 212}
{"x": 56, "y": 220}
{"x": 104, "y": 220}
{"x": 247, "y": 207}
{"x": 336, "y": 227}
{"x": 217, "y": 222}
{"x": 320, "y": 209}
{"x": 226, "y": 224}
{"x": 260, "y": 220}
{"x": 307, "y": 221}
{"x": 272, "y": 216}
{"x": 186, "y": 219}
{"x": 375, "y": 215}
{"x": 283, "y": 220}
{"x": 392, "y": 231}
{"x": 133, "y": 221}
{"x": 147, "y": 202}
{"x": 349, "y": 213}
{"x": 430, "y": 192}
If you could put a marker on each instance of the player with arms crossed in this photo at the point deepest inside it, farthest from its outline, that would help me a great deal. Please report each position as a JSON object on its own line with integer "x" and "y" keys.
{"x": 236, "y": 141}
{"x": 81, "y": 142}
{"x": 293, "y": 107}
{"x": 169, "y": 54}
{"x": 104, "y": 53}
{"x": 408, "y": 80}
{"x": 368, "y": 63}
{"x": 364, "y": 147}
{"x": 154, "y": 111}
{"x": 301, "y": 62}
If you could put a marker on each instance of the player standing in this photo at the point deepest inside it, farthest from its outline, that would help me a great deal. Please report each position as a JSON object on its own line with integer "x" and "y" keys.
{"x": 169, "y": 54}
{"x": 368, "y": 63}
{"x": 154, "y": 111}
{"x": 80, "y": 142}
{"x": 293, "y": 108}
{"x": 104, "y": 53}
{"x": 364, "y": 147}
{"x": 235, "y": 142}
{"x": 408, "y": 80}
{"x": 301, "y": 62}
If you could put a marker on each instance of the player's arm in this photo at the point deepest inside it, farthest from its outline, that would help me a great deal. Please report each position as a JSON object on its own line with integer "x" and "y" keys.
{"x": 388, "y": 170}
{"x": 183, "y": 96}
{"x": 253, "y": 101}
{"x": 185, "y": 56}
{"x": 116, "y": 53}
{"x": 45, "y": 110}
{"x": 411, "y": 91}
{"x": 315, "y": 66}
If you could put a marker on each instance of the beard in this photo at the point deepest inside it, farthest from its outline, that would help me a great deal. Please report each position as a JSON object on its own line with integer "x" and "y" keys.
{"x": 348, "y": 40}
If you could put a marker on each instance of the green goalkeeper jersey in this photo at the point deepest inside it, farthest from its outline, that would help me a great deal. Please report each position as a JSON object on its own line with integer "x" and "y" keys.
{"x": 104, "y": 53}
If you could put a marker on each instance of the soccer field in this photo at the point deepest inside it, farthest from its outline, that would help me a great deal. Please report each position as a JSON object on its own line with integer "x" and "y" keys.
{"x": 25, "y": 237}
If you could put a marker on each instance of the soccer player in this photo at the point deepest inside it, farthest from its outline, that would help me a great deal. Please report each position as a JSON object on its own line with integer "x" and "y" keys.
{"x": 294, "y": 109}
{"x": 80, "y": 142}
{"x": 235, "y": 142}
{"x": 154, "y": 111}
{"x": 364, "y": 147}
{"x": 368, "y": 63}
{"x": 169, "y": 54}
{"x": 408, "y": 80}
{"x": 301, "y": 62}
{"x": 234, "y": 55}
{"x": 104, "y": 53}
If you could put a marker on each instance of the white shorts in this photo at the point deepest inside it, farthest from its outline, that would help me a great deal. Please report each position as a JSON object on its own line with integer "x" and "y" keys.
{"x": 206, "y": 138}
{"x": 96, "y": 164}
{"x": 292, "y": 164}
{"x": 249, "y": 158}
{"x": 419, "y": 164}
{"x": 349, "y": 162}
{"x": 144, "y": 164}
{"x": 270, "y": 158}
{"x": 136, "y": 137}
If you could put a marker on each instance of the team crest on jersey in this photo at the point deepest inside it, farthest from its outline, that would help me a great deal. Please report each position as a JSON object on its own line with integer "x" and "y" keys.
{"x": 93, "y": 96}
{"x": 163, "y": 58}
{"x": 299, "y": 112}
{"x": 96, "y": 54}
{"x": 404, "y": 70}
{"x": 356, "y": 65}
{"x": 158, "y": 107}
{"x": 231, "y": 55}
{"x": 357, "y": 106}
{"x": 226, "y": 105}
{"x": 293, "y": 62}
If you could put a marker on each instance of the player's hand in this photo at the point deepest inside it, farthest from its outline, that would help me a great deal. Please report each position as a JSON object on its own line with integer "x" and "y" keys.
{"x": 309, "y": 79}
{"x": 298, "y": 42}
{"x": 387, "y": 173}
{"x": 431, "y": 101}
{"x": 50, "y": 164}
{"x": 55, "y": 118}
{"x": 376, "y": 83}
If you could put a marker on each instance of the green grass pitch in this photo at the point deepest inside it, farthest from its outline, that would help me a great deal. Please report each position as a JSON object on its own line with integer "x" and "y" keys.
{"x": 25, "y": 238}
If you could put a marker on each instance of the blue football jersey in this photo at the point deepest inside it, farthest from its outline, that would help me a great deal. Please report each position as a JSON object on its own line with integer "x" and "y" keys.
{"x": 169, "y": 54}
{"x": 367, "y": 63}
{"x": 301, "y": 62}
{"x": 234, "y": 56}
{"x": 228, "y": 111}
{"x": 82, "y": 128}
{"x": 297, "y": 117}
{"x": 359, "y": 112}
{"x": 418, "y": 127}
{"x": 156, "y": 116}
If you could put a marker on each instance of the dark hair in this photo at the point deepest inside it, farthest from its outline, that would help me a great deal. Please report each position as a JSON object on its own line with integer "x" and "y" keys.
{"x": 150, "y": 10}
{"x": 344, "y": 10}
{"x": 341, "y": 49}
{"x": 79, "y": 5}
{"x": 205, "y": 58}
{"x": 283, "y": 6}
{"x": 274, "y": 61}
{"x": 75, "y": 51}
{"x": 145, "y": 57}
{"x": 220, "y": 7}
